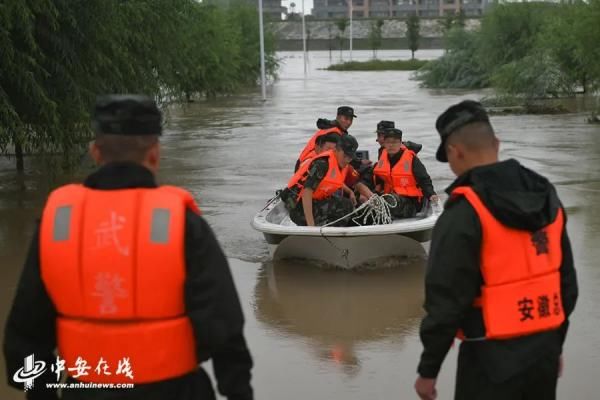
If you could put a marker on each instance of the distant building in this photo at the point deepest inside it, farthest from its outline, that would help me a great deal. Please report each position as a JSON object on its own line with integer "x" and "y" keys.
{"x": 271, "y": 8}
{"x": 396, "y": 8}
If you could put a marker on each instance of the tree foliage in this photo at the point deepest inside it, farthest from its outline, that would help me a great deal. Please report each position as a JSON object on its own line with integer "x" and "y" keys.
{"x": 57, "y": 55}
{"x": 375, "y": 35}
{"x": 341, "y": 24}
{"x": 452, "y": 70}
{"x": 413, "y": 33}
{"x": 532, "y": 50}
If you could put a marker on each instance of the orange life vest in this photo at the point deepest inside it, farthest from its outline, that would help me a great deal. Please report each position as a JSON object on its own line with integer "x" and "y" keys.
{"x": 400, "y": 179}
{"x": 331, "y": 183}
{"x": 311, "y": 154}
{"x": 521, "y": 290}
{"x": 113, "y": 264}
{"x": 352, "y": 177}
{"x": 310, "y": 146}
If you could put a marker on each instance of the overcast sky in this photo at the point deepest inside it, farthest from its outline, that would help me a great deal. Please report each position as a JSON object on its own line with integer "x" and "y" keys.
{"x": 308, "y": 5}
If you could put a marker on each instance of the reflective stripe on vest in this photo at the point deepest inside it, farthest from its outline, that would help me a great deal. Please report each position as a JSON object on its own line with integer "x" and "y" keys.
{"x": 521, "y": 291}
{"x": 331, "y": 183}
{"x": 310, "y": 146}
{"x": 113, "y": 264}
{"x": 400, "y": 179}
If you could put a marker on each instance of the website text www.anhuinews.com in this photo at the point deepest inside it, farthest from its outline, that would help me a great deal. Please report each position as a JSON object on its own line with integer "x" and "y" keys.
{"x": 82, "y": 385}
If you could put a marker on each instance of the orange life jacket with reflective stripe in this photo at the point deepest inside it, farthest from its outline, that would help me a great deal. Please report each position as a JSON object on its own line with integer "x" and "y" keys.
{"x": 310, "y": 146}
{"x": 311, "y": 154}
{"x": 331, "y": 183}
{"x": 400, "y": 179}
{"x": 113, "y": 264}
{"x": 521, "y": 290}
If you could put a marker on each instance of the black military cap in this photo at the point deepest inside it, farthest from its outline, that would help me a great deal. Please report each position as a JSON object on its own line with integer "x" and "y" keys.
{"x": 349, "y": 144}
{"x": 126, "y": 114}
{"x": 392, "y": 132}
{"x": 328, "y": 137}
{"x": 455, "y": 117}
{"x": 383, "y": 125}
{"x": 347, "y": 111}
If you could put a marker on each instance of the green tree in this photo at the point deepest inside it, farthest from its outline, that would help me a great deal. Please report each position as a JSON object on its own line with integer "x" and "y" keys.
{"x": 375, "y": 35}
{"x": 534, "y": 76}
{"x": 341, "y": 24}
{"x": 511, "y": 31}
{"x": 57, "y": 55}
{"x": 459, "y": 67}
{"x": 413, "y": 33}
{"x": 461, "y": 18}
{"x": 526, "y": 50}
{"x": 587, "y": 34}
{"x": 559, "y": 40}
{"x": 446, "y": 23}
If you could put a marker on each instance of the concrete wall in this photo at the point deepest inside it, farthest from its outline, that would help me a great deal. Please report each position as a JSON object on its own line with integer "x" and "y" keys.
{"x": 357, "y": 44}
{"x": 322, "y": 34}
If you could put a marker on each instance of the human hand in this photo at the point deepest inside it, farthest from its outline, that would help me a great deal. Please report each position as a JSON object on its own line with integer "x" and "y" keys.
{"x": 425, "y": 388}
{"x": 434, "y": 198}
{"x": 366, "y": 162}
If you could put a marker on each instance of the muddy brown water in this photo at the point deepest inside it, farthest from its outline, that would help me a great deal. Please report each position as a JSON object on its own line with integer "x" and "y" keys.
{"x": 324, "y": 334}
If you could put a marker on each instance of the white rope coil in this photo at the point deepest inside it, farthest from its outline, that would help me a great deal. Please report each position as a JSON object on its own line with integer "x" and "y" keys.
{"x": 376, "y": 208}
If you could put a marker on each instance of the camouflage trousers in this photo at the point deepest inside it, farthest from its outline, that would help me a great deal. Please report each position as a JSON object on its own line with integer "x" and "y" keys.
{"x": 324, "y": 211}
{"x": 406, "y": 207}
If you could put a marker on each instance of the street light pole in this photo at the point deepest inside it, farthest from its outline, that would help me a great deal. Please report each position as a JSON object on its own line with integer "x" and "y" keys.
{"x": 263, "y": 78}
{"x": 351, "y": 12}
{"x": 304, "y": 38}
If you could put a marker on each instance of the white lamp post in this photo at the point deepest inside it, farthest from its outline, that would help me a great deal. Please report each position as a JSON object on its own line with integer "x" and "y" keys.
{"x": 263, "y": 78}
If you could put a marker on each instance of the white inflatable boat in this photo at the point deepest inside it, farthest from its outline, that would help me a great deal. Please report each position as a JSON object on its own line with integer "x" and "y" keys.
{"x": 345, "y": 247}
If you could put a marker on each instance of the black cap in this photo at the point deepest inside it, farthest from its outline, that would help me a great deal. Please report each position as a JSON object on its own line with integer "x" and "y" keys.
{"x": 392, "y": 132}
{"x": 455, "y": 117}
{"x": 349, "y": 145}
{"x": 328, "y": 137}
{"x": 347, "y": 111}
{"x": 383, "y": 125}
{"x": 126, "y": 114}
{"x": 324, "y": 123}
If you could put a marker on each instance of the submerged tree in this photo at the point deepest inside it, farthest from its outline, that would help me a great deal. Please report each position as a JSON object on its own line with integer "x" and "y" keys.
{"x": 341, "y": 24}
{"x": 375, "y": 35}
{"x": 57, "y": 55}
{"x": 413, "y": 33}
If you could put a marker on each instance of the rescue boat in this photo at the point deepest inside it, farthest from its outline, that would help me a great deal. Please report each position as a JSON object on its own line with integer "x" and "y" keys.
{"x": 345, "y": 247}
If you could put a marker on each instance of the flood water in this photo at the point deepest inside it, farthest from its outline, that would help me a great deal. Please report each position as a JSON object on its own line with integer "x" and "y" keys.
{"x": 323, "y": 334}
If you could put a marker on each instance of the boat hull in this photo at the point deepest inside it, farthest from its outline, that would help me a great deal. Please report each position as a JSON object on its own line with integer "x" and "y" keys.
{"x": 345, "y": 247}
{"x": 347, "y": 252}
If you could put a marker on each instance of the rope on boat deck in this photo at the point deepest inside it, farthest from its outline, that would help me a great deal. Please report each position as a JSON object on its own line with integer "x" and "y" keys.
{"x": 272, "y": 200}
{"x": 377, "y": 208}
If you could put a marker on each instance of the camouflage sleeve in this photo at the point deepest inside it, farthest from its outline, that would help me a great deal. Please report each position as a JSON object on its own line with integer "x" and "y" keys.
{"x": 316, "y": 173}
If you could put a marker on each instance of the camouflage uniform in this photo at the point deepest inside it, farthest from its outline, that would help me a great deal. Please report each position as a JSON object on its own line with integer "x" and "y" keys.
{"x": 324, "y": 211}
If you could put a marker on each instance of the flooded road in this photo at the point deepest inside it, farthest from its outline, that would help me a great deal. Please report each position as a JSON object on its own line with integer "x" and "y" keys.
{"x": 323, "y": 334}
